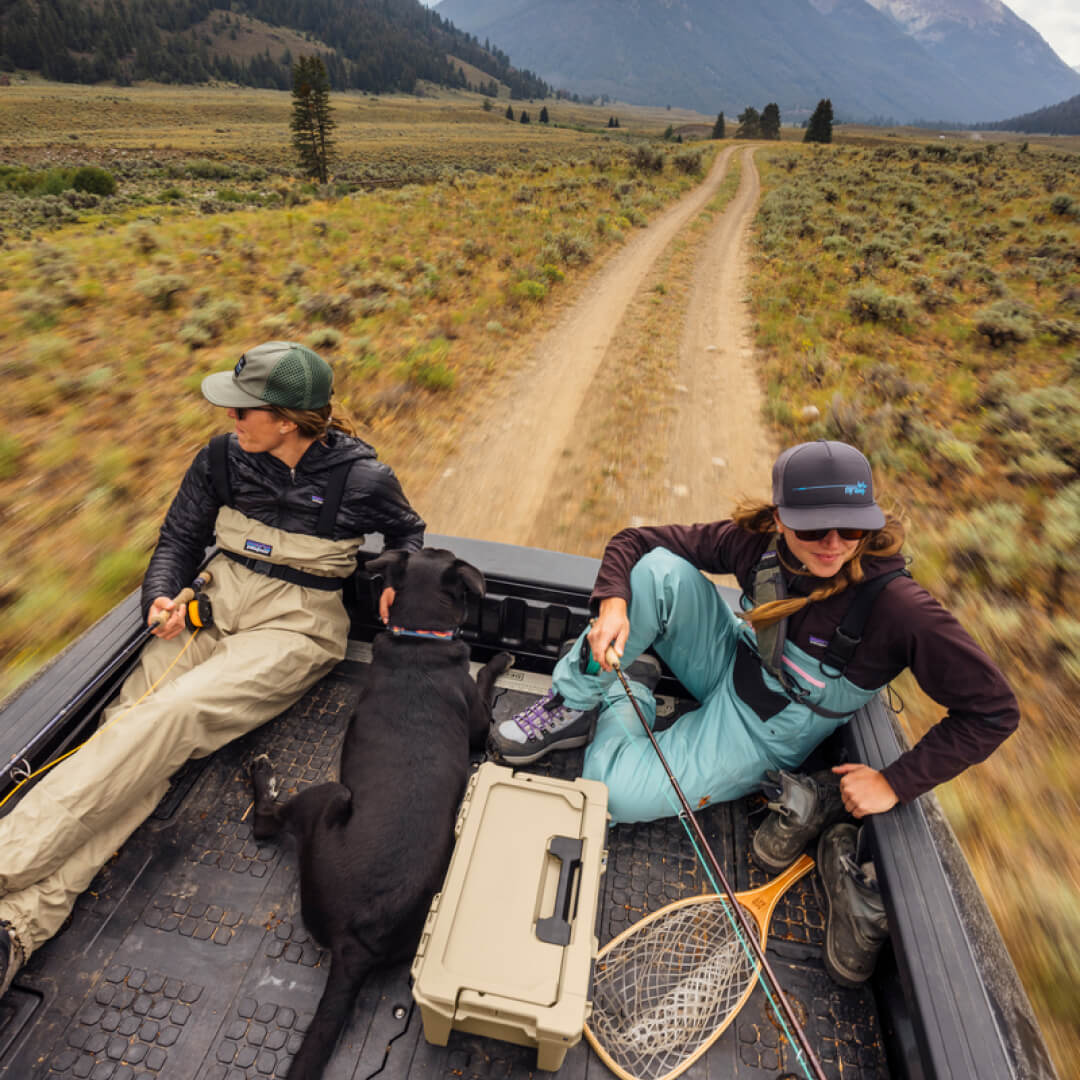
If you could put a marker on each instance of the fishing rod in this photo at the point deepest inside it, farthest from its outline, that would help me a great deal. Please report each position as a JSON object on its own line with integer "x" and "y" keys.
{"x": 713, "y": 864}
{"x": 197, "y": 611}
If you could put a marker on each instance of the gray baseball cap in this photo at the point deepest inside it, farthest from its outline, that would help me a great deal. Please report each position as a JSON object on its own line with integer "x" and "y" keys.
{"x": 825, "y": 485}
{"x": 275, "y": 373}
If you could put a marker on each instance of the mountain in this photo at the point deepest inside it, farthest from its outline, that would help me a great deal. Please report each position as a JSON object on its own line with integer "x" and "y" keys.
{"x": 726, "y": 54}
{"x": 1060, "y": 119}
{"x": 989, "y": 46}
{"x": 377, "y": 45}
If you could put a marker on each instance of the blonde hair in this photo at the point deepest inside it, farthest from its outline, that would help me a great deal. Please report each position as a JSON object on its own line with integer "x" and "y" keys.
{"x": 315, "y": 423}
{"x": 879, "y": 544}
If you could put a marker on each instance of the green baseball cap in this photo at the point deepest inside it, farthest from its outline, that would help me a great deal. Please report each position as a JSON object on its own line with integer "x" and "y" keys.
{"x": 275, "y": 373}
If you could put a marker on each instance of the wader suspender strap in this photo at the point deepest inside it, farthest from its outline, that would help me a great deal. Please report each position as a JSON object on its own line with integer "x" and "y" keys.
{"x": 332, "y": 495}
{"x": 335, "y": 488}
{"x": 848, "y": 634}
{"x": 219, "y": 469}
{"x": 768, "y": 587}
{"x": 749, "y": 682}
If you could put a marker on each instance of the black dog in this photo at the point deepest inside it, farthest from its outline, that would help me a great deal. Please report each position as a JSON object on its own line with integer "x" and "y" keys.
{"x": 374, "y": 848}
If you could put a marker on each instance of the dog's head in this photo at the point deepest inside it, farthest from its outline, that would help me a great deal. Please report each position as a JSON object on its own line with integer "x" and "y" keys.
{"x": 429, "y": 587}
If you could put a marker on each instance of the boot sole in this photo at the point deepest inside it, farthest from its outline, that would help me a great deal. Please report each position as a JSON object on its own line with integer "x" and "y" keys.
{"x": 763, "y": 863}
{"x": 836, "y": 971}
{"x": 528, "y": 759}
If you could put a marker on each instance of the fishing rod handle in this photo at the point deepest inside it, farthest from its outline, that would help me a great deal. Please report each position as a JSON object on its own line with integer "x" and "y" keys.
{"x": 182, "y": 598}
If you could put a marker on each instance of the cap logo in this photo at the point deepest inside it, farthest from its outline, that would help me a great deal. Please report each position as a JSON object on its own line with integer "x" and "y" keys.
{"x": 240, "y": 365}
{"x": 849, "y": 489}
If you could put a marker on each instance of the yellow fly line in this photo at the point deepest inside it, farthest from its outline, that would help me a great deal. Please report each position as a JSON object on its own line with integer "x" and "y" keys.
{"x": 56, "y": 761}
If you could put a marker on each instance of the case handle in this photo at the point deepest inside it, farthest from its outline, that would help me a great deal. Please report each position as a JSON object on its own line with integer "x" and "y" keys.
{"x": 555, "y": 929}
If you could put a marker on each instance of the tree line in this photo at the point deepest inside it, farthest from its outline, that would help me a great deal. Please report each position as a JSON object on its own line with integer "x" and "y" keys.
{"x": 766, "y": 124}
{"x": 378, "y": 46}
{"x": 1060, "y": 119}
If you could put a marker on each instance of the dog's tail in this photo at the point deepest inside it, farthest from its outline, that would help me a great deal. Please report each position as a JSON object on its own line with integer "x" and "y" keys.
{"x": 349, "y": 966}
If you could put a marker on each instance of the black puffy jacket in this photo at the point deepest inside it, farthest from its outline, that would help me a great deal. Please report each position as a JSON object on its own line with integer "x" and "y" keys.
{"x": 266, "y": 489}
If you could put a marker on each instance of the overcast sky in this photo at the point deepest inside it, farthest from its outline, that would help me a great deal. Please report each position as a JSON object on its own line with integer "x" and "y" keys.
{"x": 1057, "y": 20}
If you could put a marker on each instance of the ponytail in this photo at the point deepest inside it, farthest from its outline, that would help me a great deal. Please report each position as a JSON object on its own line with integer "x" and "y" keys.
{"x": 315, "y": 423}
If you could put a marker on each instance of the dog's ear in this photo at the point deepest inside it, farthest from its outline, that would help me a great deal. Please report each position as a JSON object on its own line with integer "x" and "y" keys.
{"x": 470, "y": 577}
{"x": 390, "y": 566}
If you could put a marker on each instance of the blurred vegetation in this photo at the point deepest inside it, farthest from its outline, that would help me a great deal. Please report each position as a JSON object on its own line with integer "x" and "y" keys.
{"x": 115, "y": 312}
{"x": 924, "y": 300}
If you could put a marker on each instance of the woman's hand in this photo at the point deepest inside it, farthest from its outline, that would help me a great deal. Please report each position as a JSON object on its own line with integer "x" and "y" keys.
{"x": 609, "y": 629}
{"x": 171, "y": 614}
{"x": 864, "y": 790}
{"x": 386, "y": 600}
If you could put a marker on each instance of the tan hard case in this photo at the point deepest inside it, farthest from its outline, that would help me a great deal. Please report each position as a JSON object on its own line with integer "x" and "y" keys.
{"x": 509, "y": 942}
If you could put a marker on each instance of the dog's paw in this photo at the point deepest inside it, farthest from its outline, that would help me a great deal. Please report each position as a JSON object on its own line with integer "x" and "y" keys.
{"x": 502, "y": 662}
{"x": 262, "y": 776}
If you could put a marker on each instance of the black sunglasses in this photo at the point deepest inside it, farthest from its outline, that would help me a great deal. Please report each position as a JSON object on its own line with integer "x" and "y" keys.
{"x": 820, "y": 534}
{"x": 242, "y": 411}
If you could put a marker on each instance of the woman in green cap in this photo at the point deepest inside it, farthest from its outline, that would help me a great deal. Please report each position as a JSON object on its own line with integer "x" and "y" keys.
{"x": 288, "y": 498}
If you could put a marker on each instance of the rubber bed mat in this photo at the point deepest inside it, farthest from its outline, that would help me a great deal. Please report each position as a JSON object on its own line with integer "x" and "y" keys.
{"x": 187, "y": 959}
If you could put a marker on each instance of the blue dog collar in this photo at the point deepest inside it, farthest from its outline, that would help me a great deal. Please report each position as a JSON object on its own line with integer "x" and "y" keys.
{"x": 438, "y": 635}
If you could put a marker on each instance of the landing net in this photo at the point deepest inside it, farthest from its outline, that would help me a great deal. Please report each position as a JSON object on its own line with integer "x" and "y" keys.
{"x": 665, "y": 991}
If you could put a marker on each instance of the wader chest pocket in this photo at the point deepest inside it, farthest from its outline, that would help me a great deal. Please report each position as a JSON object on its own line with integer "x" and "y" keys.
{"x": 749, "y": 680}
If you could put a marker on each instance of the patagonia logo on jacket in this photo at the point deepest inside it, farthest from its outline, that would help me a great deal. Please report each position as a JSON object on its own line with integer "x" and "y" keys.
{"x": 257, "y": 547}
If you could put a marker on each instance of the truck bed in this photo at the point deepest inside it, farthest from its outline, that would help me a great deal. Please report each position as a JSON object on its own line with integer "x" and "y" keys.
{"x": 187, "y": 959}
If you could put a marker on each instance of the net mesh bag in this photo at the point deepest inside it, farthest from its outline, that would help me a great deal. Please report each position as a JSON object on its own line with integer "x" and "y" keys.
{"x": 664, "y": 992}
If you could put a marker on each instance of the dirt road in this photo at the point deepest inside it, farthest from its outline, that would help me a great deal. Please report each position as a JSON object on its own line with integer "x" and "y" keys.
{"x": 715, "y": 447}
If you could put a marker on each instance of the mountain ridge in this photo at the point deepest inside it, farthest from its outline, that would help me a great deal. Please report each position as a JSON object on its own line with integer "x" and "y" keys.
{"x": 884, "y": 59}
{"x": 376, "y": 45}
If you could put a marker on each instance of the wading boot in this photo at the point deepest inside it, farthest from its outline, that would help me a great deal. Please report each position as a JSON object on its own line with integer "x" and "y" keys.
{"x": 12, "y": 956}
{"x": 857, "y": 925}
{"x": 800, "y": 807}
{"x": 550, "y": 724}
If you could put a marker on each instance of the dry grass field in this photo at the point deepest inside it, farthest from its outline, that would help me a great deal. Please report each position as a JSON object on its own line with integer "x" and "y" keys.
{"x": 918, "y": 295}
{"x": 112, "y": 308}
{"x": 921, "y": 298}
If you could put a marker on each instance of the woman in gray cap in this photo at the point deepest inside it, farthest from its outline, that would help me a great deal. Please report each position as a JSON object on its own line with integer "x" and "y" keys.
{"x": 288, "y": 498}
{"x": 776, "y": 679}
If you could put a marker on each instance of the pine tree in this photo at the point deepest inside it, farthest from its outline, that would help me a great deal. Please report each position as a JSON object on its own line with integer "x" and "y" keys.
{"x": 509, "y": 112}
{"x": 543, "y": 114}
{"x": 770, "y": 121}
{"x": 749, "y": 124}
{"x": 819, "y": 129}
{"x": 718, "y": 131}
{"x": 312, "y": 121}
{"x": 524, "y": 116}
